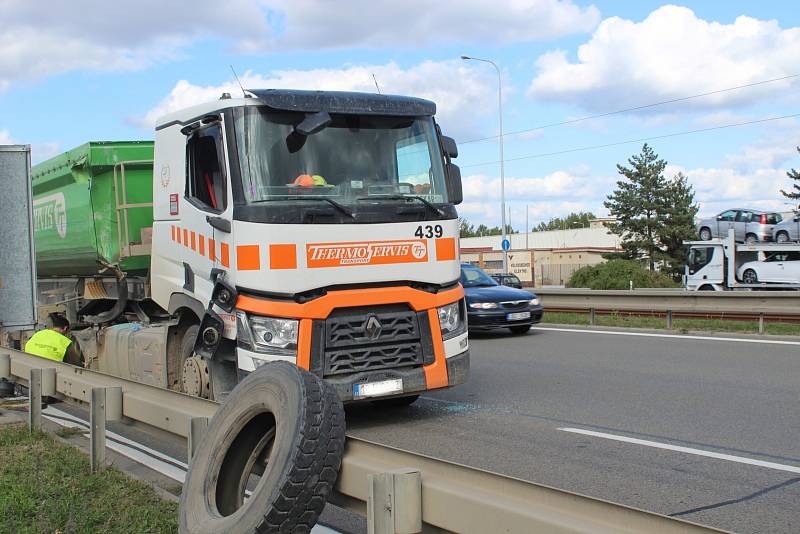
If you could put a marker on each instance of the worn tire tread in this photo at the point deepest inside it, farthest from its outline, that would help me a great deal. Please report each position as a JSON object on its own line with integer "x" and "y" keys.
{"x": 311, "y": 474}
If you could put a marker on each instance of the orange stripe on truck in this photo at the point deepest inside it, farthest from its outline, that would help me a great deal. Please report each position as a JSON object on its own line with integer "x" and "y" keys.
{"x": 283, "y": 256}
{"x": 212, "y": 250}
{"x": 304, "y": 345}
{"x": 201, "y": 242}
{"x": 436, "y": 373}
{"x": 194, "y": 240}
{"x": 320, "y": 308}
{"x": 247, "y": 257}
{"x": 446, "y": 249}
{"x": 224, "y": 254}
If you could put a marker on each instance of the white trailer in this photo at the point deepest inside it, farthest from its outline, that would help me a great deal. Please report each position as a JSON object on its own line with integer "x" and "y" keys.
{"x": 712, "y": 265}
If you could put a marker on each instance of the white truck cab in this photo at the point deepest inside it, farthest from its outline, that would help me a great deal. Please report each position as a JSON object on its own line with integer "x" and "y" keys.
{"x": 314, "y": 227}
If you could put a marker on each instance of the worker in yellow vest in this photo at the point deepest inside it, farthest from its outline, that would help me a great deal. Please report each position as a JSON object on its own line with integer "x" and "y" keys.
{"x": 56, "y": 343}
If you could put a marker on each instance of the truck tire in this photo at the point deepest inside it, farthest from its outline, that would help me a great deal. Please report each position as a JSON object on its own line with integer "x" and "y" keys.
{"x": 282, "y": 423}
{"x": 186, "y": 352}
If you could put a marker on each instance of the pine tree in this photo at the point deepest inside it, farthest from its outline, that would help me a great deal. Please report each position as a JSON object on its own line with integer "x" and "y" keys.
{"x": 638, "y": 206}
{"x": 794, "y": 175}
{"x": 677, "y": 220}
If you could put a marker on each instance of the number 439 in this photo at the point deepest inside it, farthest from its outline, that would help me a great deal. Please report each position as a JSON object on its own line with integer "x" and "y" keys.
{"x": 429, "y": 231}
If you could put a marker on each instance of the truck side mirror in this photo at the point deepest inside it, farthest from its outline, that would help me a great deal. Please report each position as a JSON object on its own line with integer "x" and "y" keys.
{"x": 453, "y": 181}
{"x": 450, "y": 147}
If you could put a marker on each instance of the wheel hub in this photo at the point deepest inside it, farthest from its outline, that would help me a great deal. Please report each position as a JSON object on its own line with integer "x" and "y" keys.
{"x": 196, "y": 379}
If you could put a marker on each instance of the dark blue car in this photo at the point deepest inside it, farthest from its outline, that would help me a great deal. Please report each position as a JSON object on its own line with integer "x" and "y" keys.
{"x": 490, "y": 305}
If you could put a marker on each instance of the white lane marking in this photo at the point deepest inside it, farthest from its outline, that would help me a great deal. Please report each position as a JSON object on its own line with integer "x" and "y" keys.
{"x": 687, "y": 450}
{"x": 676, "y": 336}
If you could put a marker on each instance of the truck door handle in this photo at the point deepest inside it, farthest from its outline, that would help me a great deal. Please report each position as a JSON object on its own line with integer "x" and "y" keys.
{"x": 223, "y": 225}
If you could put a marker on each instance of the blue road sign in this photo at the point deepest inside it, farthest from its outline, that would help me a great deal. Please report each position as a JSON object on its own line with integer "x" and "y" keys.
{"x": 506, "y": 244}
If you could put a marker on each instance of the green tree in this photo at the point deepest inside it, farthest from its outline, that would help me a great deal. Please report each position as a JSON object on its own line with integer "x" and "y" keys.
{"x": 466, "y": 229}
{"x": 637, "y": 205}
{"x": 677, "y": 223}
{"x": 794, "y": 175}
{"x": 573, "y": 220}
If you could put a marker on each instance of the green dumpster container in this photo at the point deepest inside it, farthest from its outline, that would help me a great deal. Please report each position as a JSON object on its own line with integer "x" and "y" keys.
{"x": 93, "y": 209}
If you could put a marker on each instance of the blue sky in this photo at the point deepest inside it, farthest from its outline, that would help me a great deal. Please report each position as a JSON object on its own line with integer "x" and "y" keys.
{"x": 96, "y": 71}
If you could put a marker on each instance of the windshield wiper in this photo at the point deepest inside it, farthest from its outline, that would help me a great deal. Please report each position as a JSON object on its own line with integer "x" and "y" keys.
{"x": 332, "y": 202}
{"x": 404, "y": 197}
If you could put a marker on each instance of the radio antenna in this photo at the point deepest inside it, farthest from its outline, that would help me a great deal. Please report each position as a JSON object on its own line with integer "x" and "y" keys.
{"x": 376, "y": 83}
{"x": 244, "y": 95}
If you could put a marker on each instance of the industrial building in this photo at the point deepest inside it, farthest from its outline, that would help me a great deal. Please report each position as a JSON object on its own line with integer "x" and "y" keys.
{"x": 543, "y": 258}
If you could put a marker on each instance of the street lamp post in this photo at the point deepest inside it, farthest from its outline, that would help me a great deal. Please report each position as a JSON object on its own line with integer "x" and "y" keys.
{"x": 502, "y": 162}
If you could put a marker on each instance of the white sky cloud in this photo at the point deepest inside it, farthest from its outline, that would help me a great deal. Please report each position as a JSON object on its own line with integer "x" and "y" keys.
{"x": 39, "y": 41}
{"x": 670, "y": 54}
{"x": 39, "y": 151}
{"x": 43, "y": 40}
{"x": 307, "y": 24}
{"x": 463, "y": 94}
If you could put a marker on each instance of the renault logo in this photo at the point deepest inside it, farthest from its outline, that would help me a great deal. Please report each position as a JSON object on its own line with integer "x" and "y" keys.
{"x": 372, "y": 327}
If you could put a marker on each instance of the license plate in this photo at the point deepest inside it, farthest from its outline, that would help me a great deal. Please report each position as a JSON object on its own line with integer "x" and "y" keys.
{"x": 517, "y": 316}
{"x": 377, "y": 389}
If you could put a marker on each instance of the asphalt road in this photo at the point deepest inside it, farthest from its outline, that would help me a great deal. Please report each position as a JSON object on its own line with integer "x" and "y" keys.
{"x": 707, "y": 396}
{"x": 684, "y": 398}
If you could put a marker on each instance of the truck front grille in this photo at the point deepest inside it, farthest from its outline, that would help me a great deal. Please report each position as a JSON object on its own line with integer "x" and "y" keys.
{"x": 364, "y": 340}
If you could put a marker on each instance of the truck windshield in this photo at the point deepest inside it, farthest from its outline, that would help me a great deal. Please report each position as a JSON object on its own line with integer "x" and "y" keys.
{"x": 355, "y": 159}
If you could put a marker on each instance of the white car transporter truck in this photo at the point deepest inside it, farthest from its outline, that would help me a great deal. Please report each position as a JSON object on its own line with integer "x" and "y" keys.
{"x": 725, "y": 265}
{"x": 313, "y": 227}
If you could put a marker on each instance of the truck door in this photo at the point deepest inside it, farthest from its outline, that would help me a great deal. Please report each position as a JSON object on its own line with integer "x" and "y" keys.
{"x": 725, "y": 222}
{"x": 743, "y": 217}
{"x": 205, "y": 232}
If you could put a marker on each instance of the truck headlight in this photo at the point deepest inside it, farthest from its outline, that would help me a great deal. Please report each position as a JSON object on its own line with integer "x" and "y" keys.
{"x": 451, "y": 321}
{"x": 483, "y": 305}
{"x": 270, "y": 335}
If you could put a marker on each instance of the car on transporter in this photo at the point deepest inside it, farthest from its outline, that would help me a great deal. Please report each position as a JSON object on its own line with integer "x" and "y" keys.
{"x": 491, "y": 305}
{"x": 749, "y": 226}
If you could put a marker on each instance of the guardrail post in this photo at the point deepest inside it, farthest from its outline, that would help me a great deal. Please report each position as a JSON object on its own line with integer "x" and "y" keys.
{"x": 760, "y": 323}
{"x": 97, "y": 429}
{"x": 35, "y": 400}
{"x": 6, "y": 384}
{"x": 394, "y": 504}
{"x": 669, "y": 319}
{"x": 5, "y": 366}
{"x": 197, "y": 429}
{"x": 48, "y": 382}
{"x": 591, "y": 316}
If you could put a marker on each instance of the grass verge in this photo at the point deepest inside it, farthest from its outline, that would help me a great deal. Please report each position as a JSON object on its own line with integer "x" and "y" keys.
{"x": 46, "y": 486}
{"x": 680, "y": 325}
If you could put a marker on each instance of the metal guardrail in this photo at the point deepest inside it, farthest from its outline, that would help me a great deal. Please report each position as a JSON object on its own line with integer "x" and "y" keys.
{"x": 444, "y": 495}
{"x": 755, "y": 305}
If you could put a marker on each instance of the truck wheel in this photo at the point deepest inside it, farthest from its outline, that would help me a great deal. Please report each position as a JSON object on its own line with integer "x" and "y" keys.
{"x": 750, "y": 277}
{"x": 782, "y": 237}
{"x": 192, "y": 374}
{"x": 705, "y": 234}
{"x": 270, "y": 456}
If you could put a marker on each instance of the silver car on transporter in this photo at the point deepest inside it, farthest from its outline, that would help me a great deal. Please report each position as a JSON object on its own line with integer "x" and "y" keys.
{"x": 788, "y": 230}
{"x": 749, "y": 226}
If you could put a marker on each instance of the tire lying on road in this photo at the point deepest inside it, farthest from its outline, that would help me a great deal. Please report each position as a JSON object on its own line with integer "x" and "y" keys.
{"x": 270, "y": 456}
